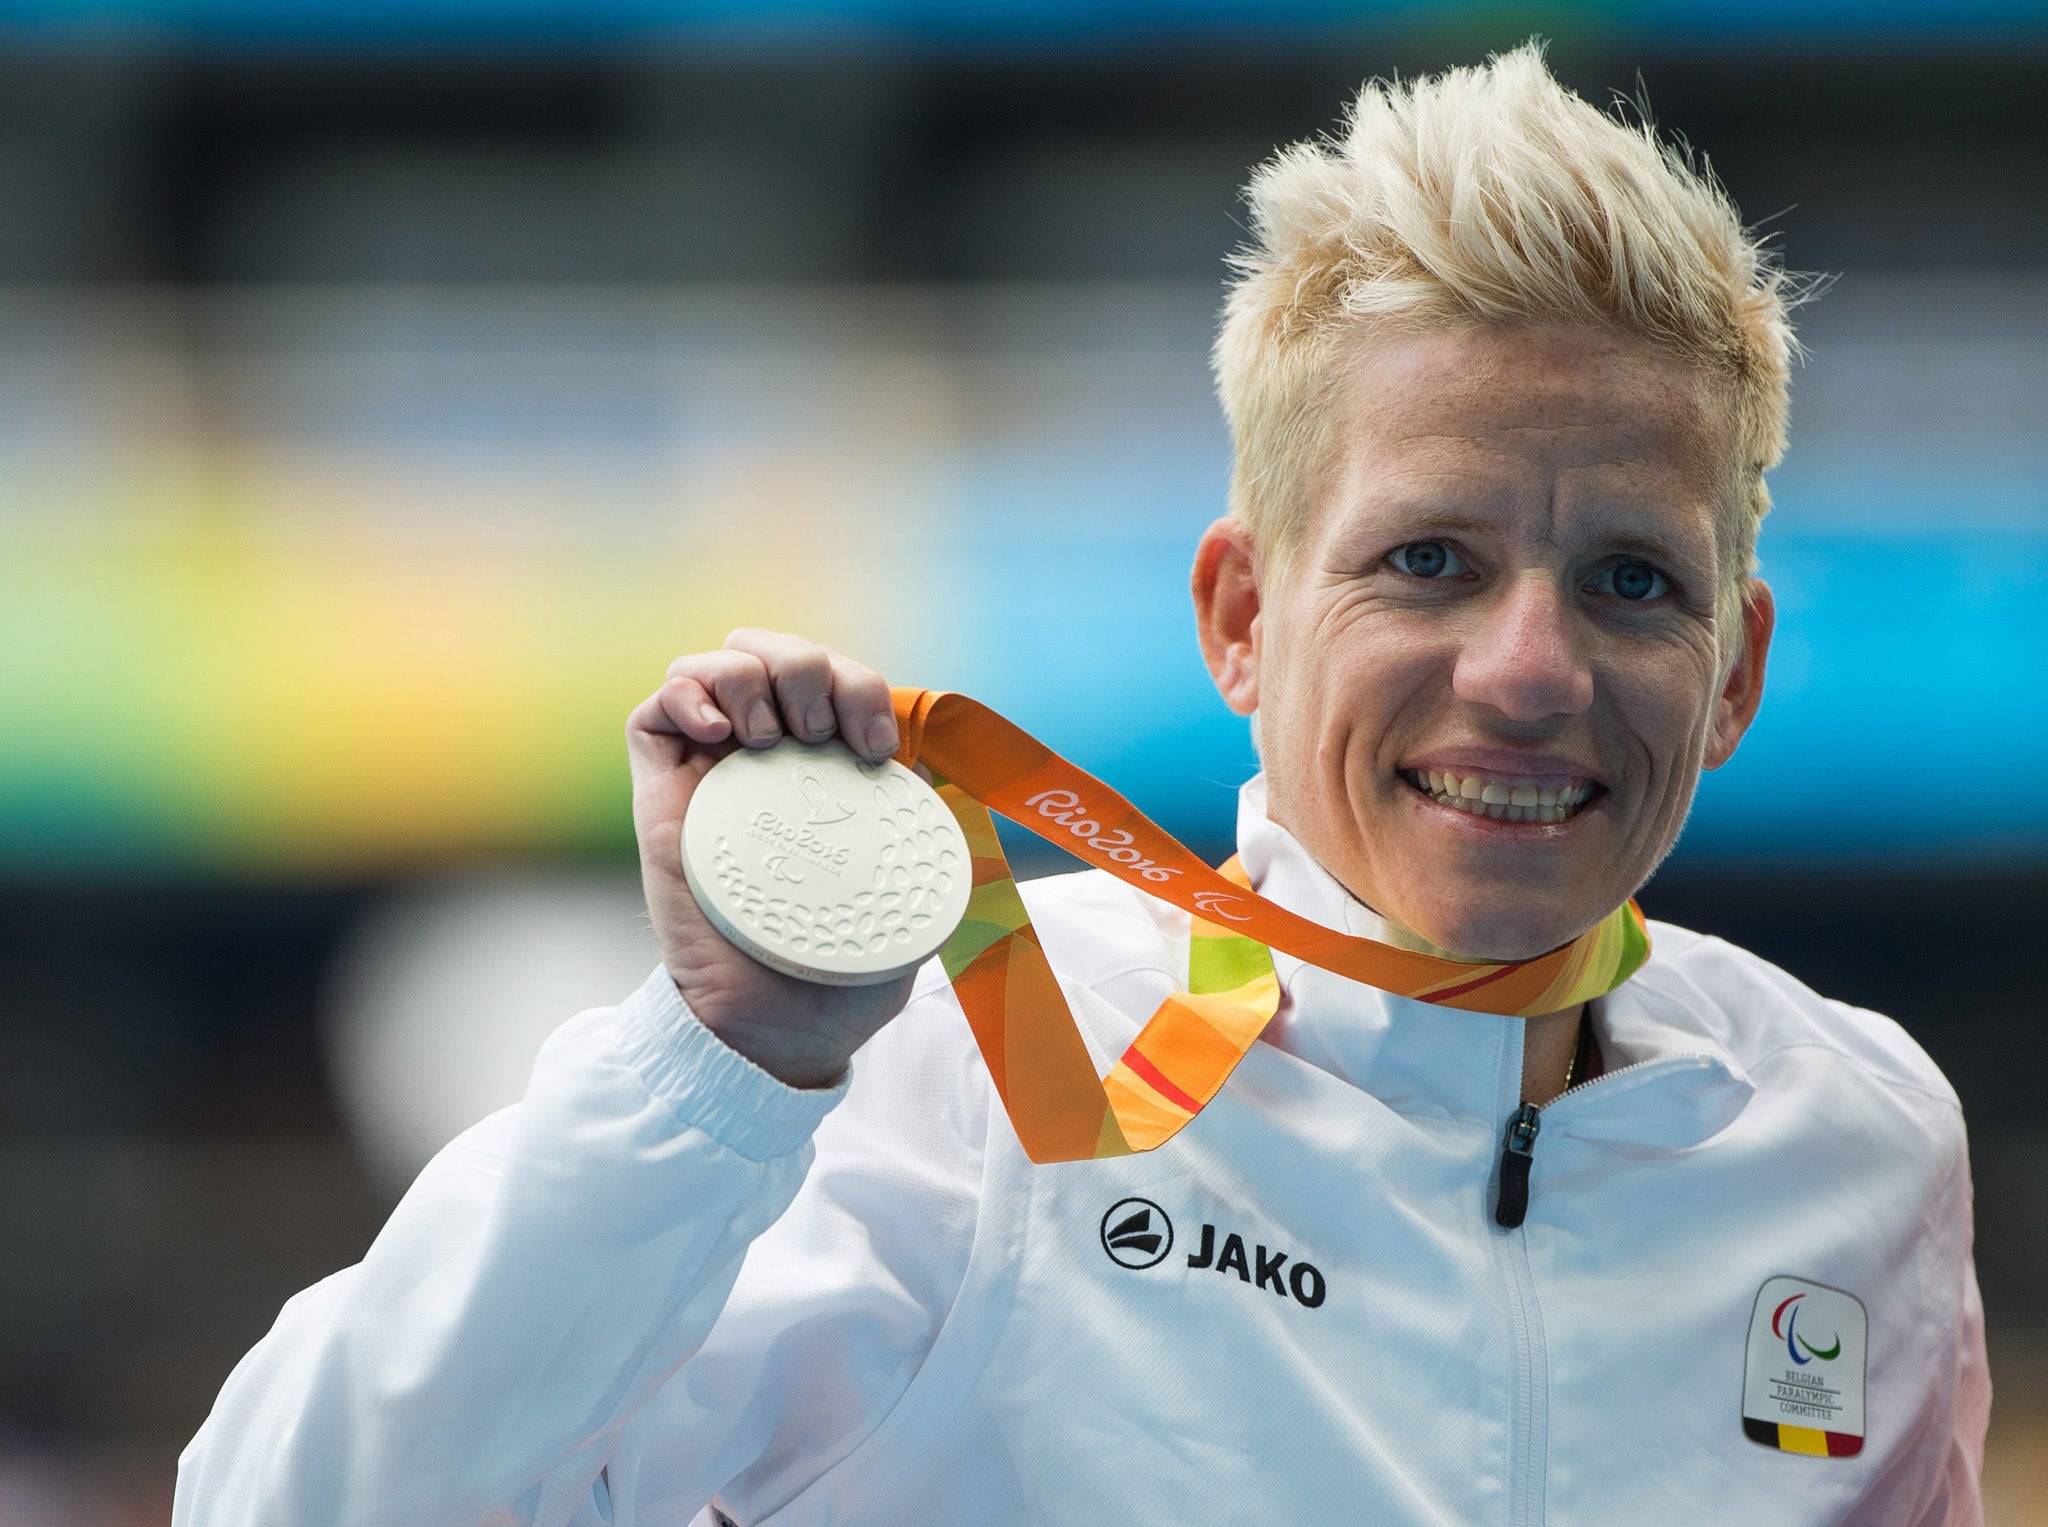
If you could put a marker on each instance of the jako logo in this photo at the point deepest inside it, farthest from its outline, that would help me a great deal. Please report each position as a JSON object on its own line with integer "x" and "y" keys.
{"x": 1790, "y": 1334}
{"x": 1136, "y": 1233}
{"x": 1304, "y": 1279}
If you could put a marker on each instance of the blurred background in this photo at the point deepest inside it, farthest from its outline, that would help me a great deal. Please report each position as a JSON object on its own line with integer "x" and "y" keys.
{"x": 389, "y": 388}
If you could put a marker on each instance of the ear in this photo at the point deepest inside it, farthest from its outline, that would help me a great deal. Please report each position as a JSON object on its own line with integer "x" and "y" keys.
{"x": 1743, "y": 690}
{"x": 1226, "y": 589}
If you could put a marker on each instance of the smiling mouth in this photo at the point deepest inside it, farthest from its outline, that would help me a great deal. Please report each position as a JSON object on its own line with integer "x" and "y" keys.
{"x": 1502, "y": 797}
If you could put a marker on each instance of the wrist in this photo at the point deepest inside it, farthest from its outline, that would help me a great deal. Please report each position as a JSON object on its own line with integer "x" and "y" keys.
{"x": 709, "y": 1085}
{"x": 796, "y": 1058}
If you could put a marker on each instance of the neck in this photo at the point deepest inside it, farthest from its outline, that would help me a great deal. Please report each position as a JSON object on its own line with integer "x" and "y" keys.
{"x": 1548, "y": 1045}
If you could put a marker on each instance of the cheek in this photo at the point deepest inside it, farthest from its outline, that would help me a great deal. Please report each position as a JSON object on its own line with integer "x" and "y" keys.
{"x": 1378, "y": 679}
{"x": 1665, "y": 706}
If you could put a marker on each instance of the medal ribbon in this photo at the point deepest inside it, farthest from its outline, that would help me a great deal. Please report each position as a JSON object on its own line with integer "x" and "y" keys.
{"x": 1061, "y": 1109}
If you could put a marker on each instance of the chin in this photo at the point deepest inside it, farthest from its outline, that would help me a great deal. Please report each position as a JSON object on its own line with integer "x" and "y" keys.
{"x": 1494, "y": 932}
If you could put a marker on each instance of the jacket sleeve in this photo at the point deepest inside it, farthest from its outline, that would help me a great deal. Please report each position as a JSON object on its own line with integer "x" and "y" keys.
{"x": 1954, "y": 1494}
{"x": 1958, "y": 1496}
{"x": 1963, "y": 1469}
{"x": 550, "y": 1274}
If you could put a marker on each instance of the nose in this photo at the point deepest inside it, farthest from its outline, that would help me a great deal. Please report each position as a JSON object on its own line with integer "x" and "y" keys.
{"x": 1522, "y": 658}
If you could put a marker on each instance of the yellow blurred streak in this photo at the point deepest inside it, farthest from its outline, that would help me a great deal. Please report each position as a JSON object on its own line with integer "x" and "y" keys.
{"x": 369, "y": 692}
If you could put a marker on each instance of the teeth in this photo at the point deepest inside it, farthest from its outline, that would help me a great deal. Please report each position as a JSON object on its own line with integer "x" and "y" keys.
{"x": 1501, "y": 801}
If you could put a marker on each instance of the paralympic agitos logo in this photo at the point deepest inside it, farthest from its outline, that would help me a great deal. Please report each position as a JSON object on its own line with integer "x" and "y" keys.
{"x": 1788, "y": 1315}
{"x": 1137, "y": 1234}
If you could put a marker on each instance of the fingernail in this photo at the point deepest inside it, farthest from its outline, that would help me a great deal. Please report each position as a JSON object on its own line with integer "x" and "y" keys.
{"x": 882, "y": 736}
{"x": 818, "y": 717}
{"x": 762, "y": 723}
{"x": 709, "y": 715}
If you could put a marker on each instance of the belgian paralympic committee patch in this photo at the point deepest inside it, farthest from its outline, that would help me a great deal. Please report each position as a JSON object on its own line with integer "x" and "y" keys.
{"x": 1802, "y": 1379}
{"x": 824, "y": 866}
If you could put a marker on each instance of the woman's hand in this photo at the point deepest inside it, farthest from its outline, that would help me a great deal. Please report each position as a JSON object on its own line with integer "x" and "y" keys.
{"x": 758, "y": 686}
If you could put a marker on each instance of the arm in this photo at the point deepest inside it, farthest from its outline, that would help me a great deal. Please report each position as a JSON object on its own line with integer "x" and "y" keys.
{"x": 562, "y": 1293}
{"x": 555, "y": 1268}
{"x": 1958, "y": 1492}
{"x": 547, "y": 1273}
{"x": 1964, "y": 1468}
{"x": 1954, "y": 1496}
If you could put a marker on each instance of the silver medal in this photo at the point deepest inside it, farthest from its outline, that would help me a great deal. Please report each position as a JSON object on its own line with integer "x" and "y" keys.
{"x": 823, "y": 866}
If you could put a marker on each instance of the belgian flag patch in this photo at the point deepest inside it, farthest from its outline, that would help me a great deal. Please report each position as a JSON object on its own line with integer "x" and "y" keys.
{"x": 1802, "y": 1381}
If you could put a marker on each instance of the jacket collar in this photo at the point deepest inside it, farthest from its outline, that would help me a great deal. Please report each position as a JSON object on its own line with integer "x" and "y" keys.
{"x": 1669, "y": 1080}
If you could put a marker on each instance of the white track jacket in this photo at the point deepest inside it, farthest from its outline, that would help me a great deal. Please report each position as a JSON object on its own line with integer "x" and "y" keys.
{"x": 665, "y": 1288}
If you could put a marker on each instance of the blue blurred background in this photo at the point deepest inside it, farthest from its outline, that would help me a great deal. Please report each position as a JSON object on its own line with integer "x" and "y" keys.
{"x": 388, "y": 391}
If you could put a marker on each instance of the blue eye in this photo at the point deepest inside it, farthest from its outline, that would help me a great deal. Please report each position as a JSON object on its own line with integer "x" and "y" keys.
{"x": 1427, "y": 559}
{"x": 1632, "y": 580}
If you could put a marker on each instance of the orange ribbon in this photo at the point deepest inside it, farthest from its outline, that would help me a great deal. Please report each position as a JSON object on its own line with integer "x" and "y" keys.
{"x": 1064, "y": 1111}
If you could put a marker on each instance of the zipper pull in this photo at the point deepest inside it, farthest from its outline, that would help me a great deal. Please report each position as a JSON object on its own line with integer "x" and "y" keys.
{"x": 1517, "y": 1152}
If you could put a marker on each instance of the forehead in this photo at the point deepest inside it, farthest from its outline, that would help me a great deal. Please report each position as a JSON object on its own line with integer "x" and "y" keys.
{"x": 1510, "y": 420}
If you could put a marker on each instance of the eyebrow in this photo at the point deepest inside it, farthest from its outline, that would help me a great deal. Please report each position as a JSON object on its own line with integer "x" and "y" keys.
{"x": 1658, "y": 548}
{"x": 1426, "y": 518}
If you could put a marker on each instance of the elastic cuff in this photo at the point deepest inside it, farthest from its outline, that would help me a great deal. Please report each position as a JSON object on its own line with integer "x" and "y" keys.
{"x": 710, "y": 1085}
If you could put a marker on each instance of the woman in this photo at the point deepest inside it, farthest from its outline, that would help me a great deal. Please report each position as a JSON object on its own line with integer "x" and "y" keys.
{"x": 1503, "y": 378}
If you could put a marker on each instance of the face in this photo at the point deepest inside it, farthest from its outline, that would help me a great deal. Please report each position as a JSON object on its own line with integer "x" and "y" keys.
{"x": 1489, "y": 671}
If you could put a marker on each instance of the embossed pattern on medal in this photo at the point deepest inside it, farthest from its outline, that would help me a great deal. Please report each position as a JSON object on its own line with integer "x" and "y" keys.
{"x": 919, "y": 859}
{"x": 824, "y": 866}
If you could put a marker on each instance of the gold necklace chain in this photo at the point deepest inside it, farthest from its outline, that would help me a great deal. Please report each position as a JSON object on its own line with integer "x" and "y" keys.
{"x": 1571, "y": 1065}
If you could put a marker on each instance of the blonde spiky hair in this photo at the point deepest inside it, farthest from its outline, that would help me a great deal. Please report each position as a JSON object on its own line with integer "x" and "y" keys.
{"x": 1489, "y": 195}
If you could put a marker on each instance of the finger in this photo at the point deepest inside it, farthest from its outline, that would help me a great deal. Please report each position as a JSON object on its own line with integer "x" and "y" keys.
{"x": 738, "y": 682}
{"x": 669, "y": 725}
{"x": 800, "y": 672}
{"x": 683, "y": 707}
{"x": 734, "y": 684}
{"x": 867, "y": 715}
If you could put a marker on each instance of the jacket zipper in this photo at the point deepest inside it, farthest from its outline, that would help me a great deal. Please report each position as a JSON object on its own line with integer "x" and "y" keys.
{"x": 1517, "y": 1155}
{"x": 1528, "y": 1380}
{"x": 1518, "y": 1143}
{"x": 1528, "y": 1383}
